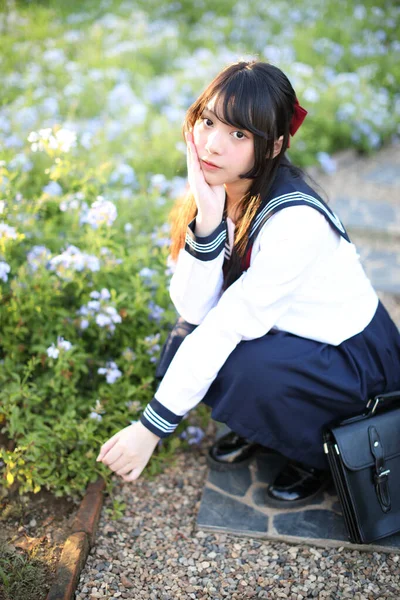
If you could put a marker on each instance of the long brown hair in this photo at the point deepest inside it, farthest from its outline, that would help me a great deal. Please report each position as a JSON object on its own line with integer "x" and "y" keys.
{"x": 257, "y": 97}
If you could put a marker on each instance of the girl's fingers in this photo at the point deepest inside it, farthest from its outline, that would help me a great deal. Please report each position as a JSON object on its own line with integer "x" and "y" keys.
{"x": 107, "y": 446}
{"x": 126, "y": 469}
{"x": 133, "y": 475}
{"x": 120, "y": 463}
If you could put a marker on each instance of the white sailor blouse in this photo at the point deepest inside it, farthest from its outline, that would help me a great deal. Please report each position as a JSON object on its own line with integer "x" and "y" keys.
{"x": 304, "y": 277}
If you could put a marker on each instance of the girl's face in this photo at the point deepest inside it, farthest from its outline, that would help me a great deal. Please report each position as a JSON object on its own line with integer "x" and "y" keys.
{"x": 229, "y": 148}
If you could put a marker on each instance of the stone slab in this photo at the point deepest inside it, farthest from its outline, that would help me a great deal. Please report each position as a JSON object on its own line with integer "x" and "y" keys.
{"x": 236, "y": 503}
{"x": 361, "y": 215}
{"x": 382, "y": 267}
{"x": 385, "y": 174}
{"x": 220, "y": 512}
{"x": 234, "y": 482}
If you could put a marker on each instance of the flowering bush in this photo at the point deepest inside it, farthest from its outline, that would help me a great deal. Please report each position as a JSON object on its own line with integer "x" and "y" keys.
{"x": 83, "y": 317}
{"x": 92, "y": 157}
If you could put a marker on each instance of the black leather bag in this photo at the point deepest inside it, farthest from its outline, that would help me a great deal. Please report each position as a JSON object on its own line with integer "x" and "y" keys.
{"x": 364, "y": 457}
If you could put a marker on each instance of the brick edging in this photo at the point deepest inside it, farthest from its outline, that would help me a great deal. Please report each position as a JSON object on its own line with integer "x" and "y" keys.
{"x": 78, "y": 543}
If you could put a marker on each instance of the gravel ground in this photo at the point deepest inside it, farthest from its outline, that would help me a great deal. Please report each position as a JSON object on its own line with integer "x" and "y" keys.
{"x": 155, "y": 552}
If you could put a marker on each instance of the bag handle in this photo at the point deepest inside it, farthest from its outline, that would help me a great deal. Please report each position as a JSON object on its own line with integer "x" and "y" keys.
{"x": 382, "y": 401}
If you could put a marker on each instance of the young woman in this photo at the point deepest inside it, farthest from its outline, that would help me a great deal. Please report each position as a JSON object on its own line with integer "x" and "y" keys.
{"x": 280, "y": 331}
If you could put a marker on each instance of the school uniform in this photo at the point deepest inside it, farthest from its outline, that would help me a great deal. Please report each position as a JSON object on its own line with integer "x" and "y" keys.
{"x": 299, "y": 340}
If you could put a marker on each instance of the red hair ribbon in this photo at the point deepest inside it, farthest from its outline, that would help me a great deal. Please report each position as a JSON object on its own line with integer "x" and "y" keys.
{"x": 299, "y": 115}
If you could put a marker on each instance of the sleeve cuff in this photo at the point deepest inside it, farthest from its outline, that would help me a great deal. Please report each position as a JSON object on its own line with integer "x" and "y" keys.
{"x": 208, "y": 247}
{"x": 160, "y": 420}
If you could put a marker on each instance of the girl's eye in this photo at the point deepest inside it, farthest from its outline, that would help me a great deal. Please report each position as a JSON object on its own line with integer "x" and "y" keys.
{"x": 208, "y": 123}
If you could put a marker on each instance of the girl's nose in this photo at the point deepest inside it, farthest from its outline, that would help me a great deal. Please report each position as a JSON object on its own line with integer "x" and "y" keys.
{"x": 213, "y": 145}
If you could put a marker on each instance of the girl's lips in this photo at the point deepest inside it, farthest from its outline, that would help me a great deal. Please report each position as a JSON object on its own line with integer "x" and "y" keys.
{"x": 209, "y": 166}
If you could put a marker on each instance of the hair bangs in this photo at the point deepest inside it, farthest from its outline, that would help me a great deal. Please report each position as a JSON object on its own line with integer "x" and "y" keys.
{"x": 234, "y": 104}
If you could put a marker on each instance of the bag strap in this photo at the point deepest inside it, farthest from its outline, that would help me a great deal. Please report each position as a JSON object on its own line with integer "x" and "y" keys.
{"x": 381, "y": 475}
{"x": 382, "y": 401}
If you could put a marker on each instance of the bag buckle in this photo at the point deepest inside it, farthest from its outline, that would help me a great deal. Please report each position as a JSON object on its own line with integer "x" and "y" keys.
{"x": 383, "y": 474}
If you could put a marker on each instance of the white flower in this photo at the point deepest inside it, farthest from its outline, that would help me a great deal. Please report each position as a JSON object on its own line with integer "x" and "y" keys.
{"x": 52, "y": 351}
{"x": 7, "y": 232}
{"x": 64, "y": 344}
{"x": 102, "y": 320}
{"x": 4, "y": 269}
{"x": 63, "y": 139}
{"x": 105, "y": 294}
{"x": 93, "y": 305}
{"x": 111, "y": 372}
{"x": 128, "y": 227}
{"x": 104, "y": 316}
{"x": 102, "y": 212}
{"x": 66, "y": 139}
{"x": 94, "y": 415}
{"x": 73, "y": 259}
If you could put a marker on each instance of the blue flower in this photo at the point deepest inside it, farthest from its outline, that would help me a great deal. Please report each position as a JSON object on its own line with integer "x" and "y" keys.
{"x": 53, "y": 189}
{"x": 4, "y": 269}
{"x": 192, "y": 434}
{"x": 327, "y": 163}
{"x": 156, "y": 312}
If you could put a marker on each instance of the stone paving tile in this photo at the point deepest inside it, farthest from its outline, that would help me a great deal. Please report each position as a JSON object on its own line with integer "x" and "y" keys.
{"x": 234, "y": 482}
{"x": 357, "y": 213}
{"x": 218, "y": 511}
{"x": 237, "y": 503}
{"x": 317, "y": 524}
{"x": 385, "y": 173}
{"x": 374, "y": 178}
{"x": 382, "y": 267}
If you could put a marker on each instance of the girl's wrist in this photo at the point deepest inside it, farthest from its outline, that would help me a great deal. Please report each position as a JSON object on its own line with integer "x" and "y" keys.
{"x": 148, "y": 433}
{"x": 205, "y": 227}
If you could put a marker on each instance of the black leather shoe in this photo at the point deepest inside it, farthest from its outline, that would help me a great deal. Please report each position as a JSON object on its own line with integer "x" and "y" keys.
{"x": 296, "y": 485}
{"x": 231, "y": 452}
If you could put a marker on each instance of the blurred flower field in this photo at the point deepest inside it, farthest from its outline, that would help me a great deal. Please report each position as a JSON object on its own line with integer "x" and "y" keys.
{"x": 92, "y": 99}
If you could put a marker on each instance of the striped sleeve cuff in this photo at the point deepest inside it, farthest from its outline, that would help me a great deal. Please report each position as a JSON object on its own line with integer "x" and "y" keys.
{"x": 160, "y": 420}
{"x": 208, "y": 247}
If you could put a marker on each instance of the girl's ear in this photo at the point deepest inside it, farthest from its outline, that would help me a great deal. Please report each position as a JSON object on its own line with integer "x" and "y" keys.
{"x": 277, "y": 146}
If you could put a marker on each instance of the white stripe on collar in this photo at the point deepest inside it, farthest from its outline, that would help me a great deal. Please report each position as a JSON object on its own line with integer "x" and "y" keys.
{"x": 295, "y": 197}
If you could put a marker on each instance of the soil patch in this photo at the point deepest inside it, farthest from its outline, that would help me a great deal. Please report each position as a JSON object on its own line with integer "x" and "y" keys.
{"x": 33, "y": 530}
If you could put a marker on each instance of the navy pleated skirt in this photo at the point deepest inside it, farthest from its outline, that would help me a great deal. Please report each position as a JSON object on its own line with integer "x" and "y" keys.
{"x": 281, "y": 390}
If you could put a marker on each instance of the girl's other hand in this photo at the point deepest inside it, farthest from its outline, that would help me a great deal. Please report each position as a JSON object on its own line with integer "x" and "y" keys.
{"x": 210, "y": 199}
{"x": 128, "y": 451}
